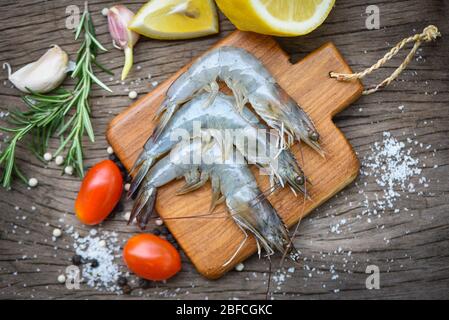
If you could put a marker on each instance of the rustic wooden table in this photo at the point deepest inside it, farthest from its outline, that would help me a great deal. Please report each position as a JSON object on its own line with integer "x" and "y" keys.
{"x": 408, "y": 242}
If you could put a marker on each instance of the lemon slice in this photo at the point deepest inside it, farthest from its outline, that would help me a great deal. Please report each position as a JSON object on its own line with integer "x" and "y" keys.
{"x": 176, "y": 19}
{"x": 277, "y": 17}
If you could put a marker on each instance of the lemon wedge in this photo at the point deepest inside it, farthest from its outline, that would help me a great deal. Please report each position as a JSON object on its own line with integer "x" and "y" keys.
{"x": 176, "y": 19}
{"x": 277, "y": 17}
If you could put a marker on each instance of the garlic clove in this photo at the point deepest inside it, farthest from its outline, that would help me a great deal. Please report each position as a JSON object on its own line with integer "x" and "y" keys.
{"x": 43, "y": 75}
{"x": 119, "y": 18}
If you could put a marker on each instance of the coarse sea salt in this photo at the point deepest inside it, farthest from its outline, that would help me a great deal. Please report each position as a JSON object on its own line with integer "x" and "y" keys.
{"x": 105, "y": 248}
{"x": 392, "y": 165}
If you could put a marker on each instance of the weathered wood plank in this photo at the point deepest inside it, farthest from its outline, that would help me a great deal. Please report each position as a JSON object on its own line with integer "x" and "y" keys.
{"x": 413, "y": 264}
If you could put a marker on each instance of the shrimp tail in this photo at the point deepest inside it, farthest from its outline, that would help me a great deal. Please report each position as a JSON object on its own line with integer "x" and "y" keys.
{"x": 273, "y": 229}
{"x": 217, "y": 198}
{"x": 164, "y": 115}
{"x": 143, "y": 207}
{"x": 241, "y": 220}
{"x": 189, "y": 187}
{"x": 142, "y": 165}
{"x": 160, "y": 110}
{"x": 244, "y": 215}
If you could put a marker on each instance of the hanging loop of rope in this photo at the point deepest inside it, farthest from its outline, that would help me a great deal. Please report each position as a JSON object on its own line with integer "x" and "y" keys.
{"x": 429, "y": 34}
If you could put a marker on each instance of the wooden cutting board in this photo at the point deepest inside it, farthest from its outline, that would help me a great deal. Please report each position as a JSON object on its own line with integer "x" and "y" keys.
{"x": 210, "y": 241}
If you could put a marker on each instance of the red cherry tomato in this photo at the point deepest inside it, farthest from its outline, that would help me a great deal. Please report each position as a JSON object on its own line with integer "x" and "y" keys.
{"x": 151, "y": 257}
{"x": 100, "y": 192}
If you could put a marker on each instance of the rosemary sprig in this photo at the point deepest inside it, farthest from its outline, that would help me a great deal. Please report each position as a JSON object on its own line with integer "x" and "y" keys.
{"x": 80, "y": 122}
{"x": 47, "y": 115}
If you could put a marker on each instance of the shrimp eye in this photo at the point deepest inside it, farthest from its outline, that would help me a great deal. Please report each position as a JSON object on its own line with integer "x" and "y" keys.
{"x": 314, "y": 136}
{"x": 300, "y": 180}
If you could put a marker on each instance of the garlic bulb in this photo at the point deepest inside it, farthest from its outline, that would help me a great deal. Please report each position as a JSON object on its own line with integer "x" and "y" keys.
{"x": 43, "y": 75}
{"x": 119, "y": 18}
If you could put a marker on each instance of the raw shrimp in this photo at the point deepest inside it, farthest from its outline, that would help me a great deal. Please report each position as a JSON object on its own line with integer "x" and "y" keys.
{"x": 231, "y": 181}
{"x": 250, "y": 82}
{"x": 222, "y": 115}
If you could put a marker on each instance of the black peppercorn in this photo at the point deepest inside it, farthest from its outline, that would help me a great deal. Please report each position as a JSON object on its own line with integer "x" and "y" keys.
{"x": 122, "y": 281}
{"x": 157, "y": 232}
{"x": 126, "y": 289}
{"x": 94, "y": 263}
{"x": 121, "y": 166}
{"x": 119, "y": 207}
{"x": 112, "y": 157}
{"x": 77, "y": 260}
{"x": 144, "y": 284}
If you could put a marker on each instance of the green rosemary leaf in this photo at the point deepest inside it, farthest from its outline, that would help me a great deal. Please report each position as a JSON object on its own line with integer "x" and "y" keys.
{"x": 64, "y": 127}
{"x": 98, "y": 44}
{"x": 98, "y": 81}
{"x": 63, "y": 144}
{"x": 102, "y": 68}
{"x": 79, "y": 66}
{"x": 88, "y": 127}
{"x": 81, "y": 25}
{"x": 11, "y": 130}
{"x": 57, "y": 93}
{"x": 19, "y": 174}
{"x": 79, "y": 157}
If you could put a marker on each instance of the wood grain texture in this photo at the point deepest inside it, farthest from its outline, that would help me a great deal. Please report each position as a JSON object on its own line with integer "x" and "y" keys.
{"x": 413, "y": 264}
{"x": 210, "y": 242}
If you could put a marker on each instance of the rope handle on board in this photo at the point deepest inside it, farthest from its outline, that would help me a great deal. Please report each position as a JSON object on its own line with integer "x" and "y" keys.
{"x": 430, "y": 33}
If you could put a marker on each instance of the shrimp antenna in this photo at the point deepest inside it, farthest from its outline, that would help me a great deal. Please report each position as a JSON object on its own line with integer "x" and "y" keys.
{"x": 290, "y": 244}
{"x": 267, "y": 294}
{"x": 201, "y": 216}
{"x": 264, "y": 194}
{"x": 239, "y": 247}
